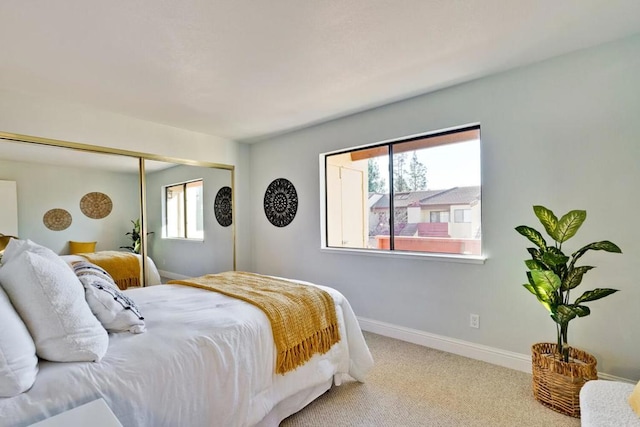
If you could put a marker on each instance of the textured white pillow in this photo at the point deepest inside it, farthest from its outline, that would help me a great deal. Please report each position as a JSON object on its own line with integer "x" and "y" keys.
{"x": 116, "y": 311}
{"x": 50, "y": 299}
{"x": 15, "y": 247}
{"x": 18, "y": 361}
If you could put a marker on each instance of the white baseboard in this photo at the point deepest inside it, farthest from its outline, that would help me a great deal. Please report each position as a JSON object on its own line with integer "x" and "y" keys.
{"x": 496, "y": 356}
{"x": 170, "y": 275}
{"x": 603, "y": 376}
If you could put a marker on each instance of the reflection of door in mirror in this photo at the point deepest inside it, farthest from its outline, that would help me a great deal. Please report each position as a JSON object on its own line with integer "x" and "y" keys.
{"x": 188, "y": 240}
{"x": 68, "y": 195}
{"x": 9, "y": 211}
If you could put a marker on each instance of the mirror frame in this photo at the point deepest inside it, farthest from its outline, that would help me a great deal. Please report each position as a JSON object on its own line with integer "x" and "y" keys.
{"x": 142, "y": 157}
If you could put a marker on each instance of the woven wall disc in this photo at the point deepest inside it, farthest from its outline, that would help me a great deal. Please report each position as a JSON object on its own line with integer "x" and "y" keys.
{"x": 222, "y": 207}
{"x": 57, "y": 219}
{"x": 96, "y": 205}
{"x": 280, "y": 202}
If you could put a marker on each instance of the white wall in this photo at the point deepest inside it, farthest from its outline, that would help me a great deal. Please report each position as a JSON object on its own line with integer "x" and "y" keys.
{"x": 44, "y": 187}
{"x": 563, "y": 133}
{"x": 35, "y": 116}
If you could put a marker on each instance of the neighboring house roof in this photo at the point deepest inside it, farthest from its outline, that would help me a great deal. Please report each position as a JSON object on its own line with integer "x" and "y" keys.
{"x": 373, "y": 199}
{"x": 454, "y": 196}
{"x": 450, "y": 196}
{"x": 402, "y": 200}
{"x": 382, "y": 202}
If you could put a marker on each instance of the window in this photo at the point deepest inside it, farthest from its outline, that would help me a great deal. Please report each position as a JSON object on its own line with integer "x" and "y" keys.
{"x": 462, "y": 215}
{"x": 415, "y": 194}
{"x": 439, "y": 216}
{"x": 183, "y": 210}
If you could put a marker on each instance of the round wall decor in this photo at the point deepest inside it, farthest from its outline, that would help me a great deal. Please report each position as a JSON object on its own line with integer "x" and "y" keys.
{"x": 57, "y": 219}
{"x": 222, "y": 207}
{"x": 280, "y": 202}
{"x": 96, "y": 205}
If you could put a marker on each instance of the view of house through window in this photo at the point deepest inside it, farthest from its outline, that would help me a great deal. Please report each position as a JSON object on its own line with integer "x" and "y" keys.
{"x": 183, "y": 210}
{"x": 419, "y": 194}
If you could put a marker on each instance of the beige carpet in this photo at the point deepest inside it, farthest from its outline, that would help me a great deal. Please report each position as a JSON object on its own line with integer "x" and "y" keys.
{"x": 411, "y": 385}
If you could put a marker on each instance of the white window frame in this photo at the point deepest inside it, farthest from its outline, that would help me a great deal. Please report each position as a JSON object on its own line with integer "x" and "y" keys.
{"x": 165, "y": 219}
{"x": 466, "y": 215}
{"x": 440, "y": 257}
{"x": 440, "y": 215}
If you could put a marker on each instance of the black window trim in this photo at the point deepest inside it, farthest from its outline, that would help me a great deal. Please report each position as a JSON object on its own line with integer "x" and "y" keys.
{"x": 474, "y": 259}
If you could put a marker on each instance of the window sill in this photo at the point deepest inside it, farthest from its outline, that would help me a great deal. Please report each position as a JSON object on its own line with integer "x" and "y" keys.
{"x": 183, "y": 239}
{"x": 463, "y": 259}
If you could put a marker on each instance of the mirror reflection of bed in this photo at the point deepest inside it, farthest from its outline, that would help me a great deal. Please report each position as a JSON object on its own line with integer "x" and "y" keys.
{"x": 49, "y": 177}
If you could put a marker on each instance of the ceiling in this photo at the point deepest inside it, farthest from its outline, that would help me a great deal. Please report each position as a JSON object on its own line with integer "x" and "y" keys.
{"x": 247, "y": 69}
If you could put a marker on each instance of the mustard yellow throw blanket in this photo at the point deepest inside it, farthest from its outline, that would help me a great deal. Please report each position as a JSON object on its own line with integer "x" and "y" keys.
{"x": 303, "y": 318}
{"x": 124, "y": 267}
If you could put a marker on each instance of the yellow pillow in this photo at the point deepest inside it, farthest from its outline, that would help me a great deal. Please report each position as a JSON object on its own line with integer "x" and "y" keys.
{"x": 634, "y": 399}
{"x": 81, "y": 247}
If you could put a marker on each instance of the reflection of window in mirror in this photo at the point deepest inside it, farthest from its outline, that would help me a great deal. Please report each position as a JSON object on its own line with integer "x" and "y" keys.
{"x": 183, "y": 210}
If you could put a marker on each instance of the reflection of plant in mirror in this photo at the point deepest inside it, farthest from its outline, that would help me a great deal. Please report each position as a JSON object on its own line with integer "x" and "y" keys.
{"x": 135, "y": 237}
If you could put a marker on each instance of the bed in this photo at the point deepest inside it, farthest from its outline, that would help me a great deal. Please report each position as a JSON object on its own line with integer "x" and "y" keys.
{"x": 205, "y": 359}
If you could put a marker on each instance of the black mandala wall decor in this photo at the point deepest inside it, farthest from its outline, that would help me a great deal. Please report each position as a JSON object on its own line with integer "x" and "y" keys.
{"x": 222, "y": 207}
{"x": 280, "y": 202}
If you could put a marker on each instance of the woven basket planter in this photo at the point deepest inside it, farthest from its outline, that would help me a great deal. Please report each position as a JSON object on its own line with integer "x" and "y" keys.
{"x": 557, "y": 384}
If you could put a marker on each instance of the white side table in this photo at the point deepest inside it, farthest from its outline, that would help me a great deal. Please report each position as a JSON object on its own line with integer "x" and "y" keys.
{"x": 94, "y": 414}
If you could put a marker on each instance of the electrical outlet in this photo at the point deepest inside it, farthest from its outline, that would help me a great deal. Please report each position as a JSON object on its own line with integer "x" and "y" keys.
{"x": 474, "y": 320}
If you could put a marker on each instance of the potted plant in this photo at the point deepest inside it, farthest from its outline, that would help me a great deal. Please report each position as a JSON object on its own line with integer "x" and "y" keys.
{"x": 552, "y": 276}
{"x": 134, "y": 234}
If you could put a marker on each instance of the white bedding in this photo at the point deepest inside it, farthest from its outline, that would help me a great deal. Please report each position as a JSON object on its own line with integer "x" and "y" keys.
{"x": 205, "y": 360}
{"x": 152, "y": 279}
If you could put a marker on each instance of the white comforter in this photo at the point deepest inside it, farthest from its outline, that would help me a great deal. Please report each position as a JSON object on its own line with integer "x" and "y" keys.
{"x": 205, "y": 360}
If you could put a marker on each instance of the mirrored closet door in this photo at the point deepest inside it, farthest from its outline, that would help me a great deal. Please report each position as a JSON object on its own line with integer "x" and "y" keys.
{"x": 189, "y": 218}
{"x": 64, "y": 192}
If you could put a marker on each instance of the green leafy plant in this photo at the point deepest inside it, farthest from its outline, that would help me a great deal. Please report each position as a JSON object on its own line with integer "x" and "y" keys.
{"x": 553, "y": 275}
{"x": 135, "y": 237}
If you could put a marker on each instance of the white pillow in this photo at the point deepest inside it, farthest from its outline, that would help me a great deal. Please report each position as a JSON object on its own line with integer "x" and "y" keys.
{"x": 18, "y": 361}
{"x": 116, "y": 311}
{"x": 15, "y": 247}
{"x": 50, "y": 300}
